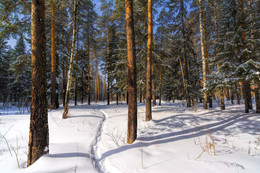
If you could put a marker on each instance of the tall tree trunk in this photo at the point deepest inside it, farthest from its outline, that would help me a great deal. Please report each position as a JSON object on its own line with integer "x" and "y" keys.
{"x": 246, "y": 84}
{"x": 188, "y": 100}
{"x": 148, "y": 112}
{"x": 88, "y": 70}
{"x": 132, "y": 90}
{"x": 66, "y": 108}
{"x": 160, "y": 89}
{"x": 222, "y": 104}
{"x": 76, "y": 77}
{"x": 96, "y": 75}
{"x": 107, "y": 63}
{"x": 39, "y": 131}
{"x": 153, "y": 87}
{"x": 209, "y": 97}
{"x": 204, "y": 60}
{"x": 53, "y": 59}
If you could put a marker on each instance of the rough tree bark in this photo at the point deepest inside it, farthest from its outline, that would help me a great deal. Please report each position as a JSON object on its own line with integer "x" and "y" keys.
{"x": 53, "y": 59}
{"x": 148, "y": 113}
{"x": 39, "y": 131}
{"x": 132, "y": 90}
{"x": 66, "y": 108}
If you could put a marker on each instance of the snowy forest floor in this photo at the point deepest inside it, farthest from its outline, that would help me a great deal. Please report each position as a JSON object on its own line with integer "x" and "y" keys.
{"x": 177, "y": 140}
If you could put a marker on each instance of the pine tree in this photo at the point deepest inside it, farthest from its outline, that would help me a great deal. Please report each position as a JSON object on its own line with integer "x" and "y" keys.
{"x": 148, "y": 112}
{"x": 39, "y": 132}
{"x": 132, "y": 104}
{"x": 21, "y": 70}
{"x": 53, "y": 59}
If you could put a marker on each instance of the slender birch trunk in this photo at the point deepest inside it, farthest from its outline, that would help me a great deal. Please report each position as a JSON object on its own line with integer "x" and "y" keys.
{"x": 66, "y": 108}
{"x": 204, "y": 63}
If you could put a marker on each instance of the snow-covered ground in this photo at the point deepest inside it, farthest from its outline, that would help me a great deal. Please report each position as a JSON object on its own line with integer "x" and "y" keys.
{"x": 178, "y": 139}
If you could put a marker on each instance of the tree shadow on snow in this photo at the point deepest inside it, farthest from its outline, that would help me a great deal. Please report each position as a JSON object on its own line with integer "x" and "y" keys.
{"x": 64, "y": 155}
{"x": 245, "y": 125}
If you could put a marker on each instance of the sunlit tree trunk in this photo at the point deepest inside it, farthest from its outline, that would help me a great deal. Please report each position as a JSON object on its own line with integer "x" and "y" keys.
{"x": 96, "y": 75}
{"x": 204, "y": 60}
{"x": 53, "y": 59}
{"x": 132, "y": 90}
{"x": 209, "y": 98}
{"x": 39, "y": 131}
{"x": 148, "y": 112}
{"x": 66, "y": 108}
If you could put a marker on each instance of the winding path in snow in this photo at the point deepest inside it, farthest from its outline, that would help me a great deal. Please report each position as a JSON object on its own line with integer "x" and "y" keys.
{"x": 95, "y": 160}
{"x": 73, "y": 141}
